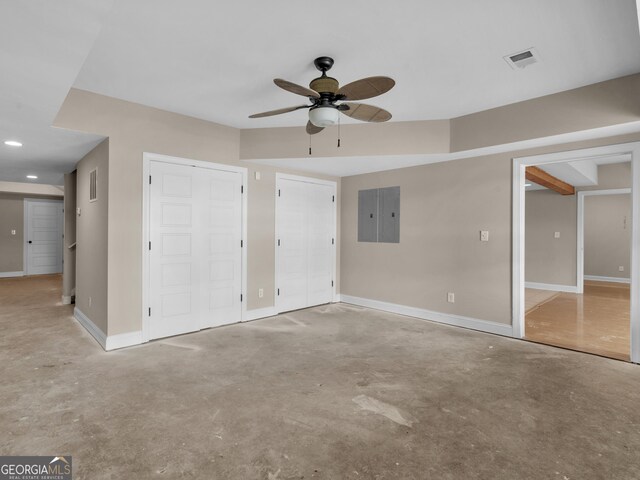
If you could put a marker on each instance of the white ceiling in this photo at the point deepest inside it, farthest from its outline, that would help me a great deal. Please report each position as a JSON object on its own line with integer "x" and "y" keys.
{"x": 43, "y": 45}
{"x": 577, "y": 173}
{"x": 216, "y": 60}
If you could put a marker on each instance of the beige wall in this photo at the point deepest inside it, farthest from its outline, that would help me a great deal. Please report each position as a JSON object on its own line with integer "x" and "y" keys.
{"x": 607, "y": 235}
{"x": 548, "y": 259}
{"x": 91, "y": 237}
{"x": 444, "y": 207}
{"x": 478, "y": 274}
{"x": 602, "y": 104}
{"x": 69, "y": 254}
{"x": 12, "y": 218}
{"x": 133, "y": 129}
{"x": 396, "y": 138}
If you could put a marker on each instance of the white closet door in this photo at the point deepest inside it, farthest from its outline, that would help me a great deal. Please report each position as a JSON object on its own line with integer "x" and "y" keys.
{"x": 174, "y": 260}
{"x": 222, "y": 252}
{"x": 292, "y": 251}
{"x": 196, "y": 255}
{"x": 43, "y": 236}
{"x": 320, "y": 226}
{"x": 306, "y": 224}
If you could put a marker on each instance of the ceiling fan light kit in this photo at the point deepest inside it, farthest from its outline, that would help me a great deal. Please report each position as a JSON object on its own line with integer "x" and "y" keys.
{"x": 325, "y": 93}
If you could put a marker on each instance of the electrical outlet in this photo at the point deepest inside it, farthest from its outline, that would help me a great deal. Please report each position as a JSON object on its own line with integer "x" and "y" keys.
{"x": 78, "y": 211}
{"x": 260, "y": 292}
{"x": 13, "y": 232}
{"x": 556, "y": 235}
{"x": 621, "y": 268}
{"x": 451, "y": 297}
{"x": 484, "y": 235}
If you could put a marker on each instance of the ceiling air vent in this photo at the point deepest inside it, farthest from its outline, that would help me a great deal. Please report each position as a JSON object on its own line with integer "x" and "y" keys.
{"x": 522, "y": 59}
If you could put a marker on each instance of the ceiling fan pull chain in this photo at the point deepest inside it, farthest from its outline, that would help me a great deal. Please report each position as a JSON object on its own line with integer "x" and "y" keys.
{"x": 338, "y": 132}
{"x": 309, "y": 144}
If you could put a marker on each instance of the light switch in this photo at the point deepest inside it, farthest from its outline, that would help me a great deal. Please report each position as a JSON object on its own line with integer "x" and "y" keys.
{"x": 257, "y": 175}
{"x": 484, "y": 235}
{"x": 556, "y": 235}
{"x": 78, "y": 211}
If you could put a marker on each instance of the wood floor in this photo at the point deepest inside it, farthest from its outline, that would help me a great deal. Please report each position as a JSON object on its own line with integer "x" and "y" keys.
{"x": 594, "y": 322}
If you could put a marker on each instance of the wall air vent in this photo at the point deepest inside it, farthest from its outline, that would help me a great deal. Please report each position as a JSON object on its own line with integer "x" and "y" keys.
{"x": 93, "y": 185}
{"x": 522, "y": 59}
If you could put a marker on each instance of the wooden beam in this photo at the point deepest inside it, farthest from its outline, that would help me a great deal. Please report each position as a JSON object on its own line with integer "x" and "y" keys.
{"x": 539, "y": 176}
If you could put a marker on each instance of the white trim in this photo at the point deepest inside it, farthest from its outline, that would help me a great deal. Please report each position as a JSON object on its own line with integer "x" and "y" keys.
{"x": 337, "y": 298}
{"x": 552, "y": 287}
{"x": 257, "y": 313}
{"x": 598, "y": 278}
{"x": 580, "y": 276}
{"x": 123, "y": 340}
{"x": 90, "y": 327}
{"x": 334, "y": 186}
{"x": 519, "y": 166}
{"x": 148, "y": 157}
{"x": 446, "y": 318}
{"x": 11, "y": 274}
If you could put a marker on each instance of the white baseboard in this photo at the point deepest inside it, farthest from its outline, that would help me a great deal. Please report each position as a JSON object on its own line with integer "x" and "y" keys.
{"x": 111, "y": 342}
{"x": 337, "y": 298}
{"x": 11, "y": 274}
{"x": 123, "y": 340}
{"x": 551, "y": 286}
{"x": 607, "y": 279}
{"x": 449, "y": 319}
{"x": 91, "y": 327}
{"x": 260, "y": 313}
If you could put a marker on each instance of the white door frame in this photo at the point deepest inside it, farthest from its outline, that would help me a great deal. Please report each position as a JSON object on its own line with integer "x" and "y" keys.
{"x": 518, "y": 219}
{"x": 25, "y": 230}
{"x": 333, "y": 185}
{"x": 580, "y": 233}
{"x": 147, "y": 158}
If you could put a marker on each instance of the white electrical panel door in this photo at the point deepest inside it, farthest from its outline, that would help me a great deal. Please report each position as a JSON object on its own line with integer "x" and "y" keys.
{"x": 43, "y": 236}
{"x": 195, "y": 252}
{"x": 305, "y": 243}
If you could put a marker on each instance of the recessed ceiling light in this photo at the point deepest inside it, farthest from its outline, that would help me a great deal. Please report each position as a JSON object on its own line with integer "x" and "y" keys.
{"x": 12, "y": 143}
{"x": 527, "y": 184}
{"x": 32, "y": 176}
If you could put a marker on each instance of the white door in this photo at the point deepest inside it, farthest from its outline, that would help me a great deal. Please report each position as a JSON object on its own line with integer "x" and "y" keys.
{"x": 305, "y": 244}
{"x": 43, "y": 236}
{"x": 195, "y": 250}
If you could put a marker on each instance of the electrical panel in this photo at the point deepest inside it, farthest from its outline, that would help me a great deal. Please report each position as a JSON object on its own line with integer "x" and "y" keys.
{"x": 379, "y": 215}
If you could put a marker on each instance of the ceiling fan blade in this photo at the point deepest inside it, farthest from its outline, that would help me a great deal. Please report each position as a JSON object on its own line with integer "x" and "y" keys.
{"x": 312, "y": 129}
{"x": 366, "y": 88}
{"x": 366, "y": 113}
{"x": 278, "y": 112}
{"x": 297, "y": 89}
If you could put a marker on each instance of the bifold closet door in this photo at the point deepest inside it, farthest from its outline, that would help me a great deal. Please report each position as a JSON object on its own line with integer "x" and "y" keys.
{"x": 195, "y": 252}
{"x": 306, "y": 222}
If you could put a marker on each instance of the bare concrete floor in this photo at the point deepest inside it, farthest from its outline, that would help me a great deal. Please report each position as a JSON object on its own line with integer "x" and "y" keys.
{"x": 333, "y": 392}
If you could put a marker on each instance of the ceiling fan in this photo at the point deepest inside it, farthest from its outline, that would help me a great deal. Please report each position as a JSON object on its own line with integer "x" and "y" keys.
{"x": 324, "y": 92}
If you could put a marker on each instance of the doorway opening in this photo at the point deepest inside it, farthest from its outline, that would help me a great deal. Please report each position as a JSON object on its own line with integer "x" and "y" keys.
{"x": 576, "y": 250}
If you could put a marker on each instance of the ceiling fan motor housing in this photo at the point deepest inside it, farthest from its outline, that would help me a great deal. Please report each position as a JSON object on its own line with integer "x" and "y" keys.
{"x": 324, "y": 84}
